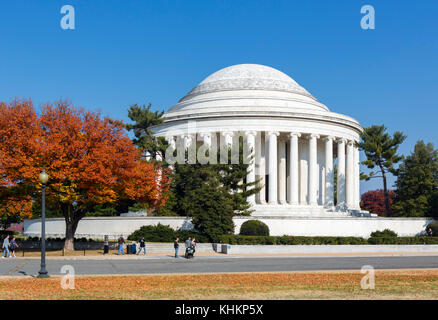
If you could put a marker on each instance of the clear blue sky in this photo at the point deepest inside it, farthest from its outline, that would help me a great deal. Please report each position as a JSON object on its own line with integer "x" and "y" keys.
{"x": 125, "y": 52}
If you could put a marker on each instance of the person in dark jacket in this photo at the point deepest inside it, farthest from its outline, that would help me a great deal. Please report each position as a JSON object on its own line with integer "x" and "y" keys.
{"x": 121, "y": 242}
{"x": 13, "y": 246}
{"x": 142, "y": 246}
{"x": 176, "y": 246}
{"x": 188, "y": 244}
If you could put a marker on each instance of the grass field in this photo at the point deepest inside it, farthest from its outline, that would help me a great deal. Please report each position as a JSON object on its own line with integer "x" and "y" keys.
{"x": 413, "y": 284}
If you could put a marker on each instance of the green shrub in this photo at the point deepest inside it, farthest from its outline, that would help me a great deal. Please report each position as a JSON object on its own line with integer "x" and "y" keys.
{"x": 434, "y": 227}
{"x": 164, "y": 233}
{"x": 254, "y": 228}
{"x": 385, "y": 233}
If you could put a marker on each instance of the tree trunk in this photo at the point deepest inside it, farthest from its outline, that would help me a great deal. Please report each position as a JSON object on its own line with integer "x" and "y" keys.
{"x": 70, "y": 229}
{"x": 72, "y": 219}
{"x": 385, "y": 192}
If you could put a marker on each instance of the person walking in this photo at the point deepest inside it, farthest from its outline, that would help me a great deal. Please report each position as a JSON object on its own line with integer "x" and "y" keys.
{"x": 121, "y": 242}
{"x": 13, "y": 245}
{"x": 142, "y": 246}
{"x": 6, "y": 247}
{"x": 176, "y": 246}
{"x": 188, "y": 244}
{"x": 194, "y": 246}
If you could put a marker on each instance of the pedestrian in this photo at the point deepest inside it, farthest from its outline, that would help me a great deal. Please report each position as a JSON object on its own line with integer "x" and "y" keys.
{"x": 176, "y": 246}
{"x": 13, "y": 245}
{"x": 142, "y": 246}
{"x": 429, "y": 232}
{"x": 6, "y": 247}
{"x": 121, "y": 243}
{"x": 194, "y": 246}
{"x": 188, "y": 244}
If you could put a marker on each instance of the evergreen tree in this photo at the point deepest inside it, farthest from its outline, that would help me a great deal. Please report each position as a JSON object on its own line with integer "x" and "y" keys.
{"x": 201, "y": 196}
{"x": 144, "y": 120}
{"x": 417, "y": 183}
{"x": 381, "y": 152}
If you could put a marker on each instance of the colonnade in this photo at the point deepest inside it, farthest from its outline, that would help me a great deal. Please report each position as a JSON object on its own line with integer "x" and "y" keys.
{"x": 296, "y": 168}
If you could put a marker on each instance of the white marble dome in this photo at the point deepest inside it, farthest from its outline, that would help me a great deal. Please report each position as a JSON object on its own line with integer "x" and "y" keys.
{"x": 246, "y": 88}
{"x": 247, "y": 77}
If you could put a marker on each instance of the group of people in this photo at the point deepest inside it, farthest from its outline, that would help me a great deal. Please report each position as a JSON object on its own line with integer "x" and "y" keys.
{"x": 190, "y": 245}
{"x": 142, "y": 247}
{"x": 9, "y": 247}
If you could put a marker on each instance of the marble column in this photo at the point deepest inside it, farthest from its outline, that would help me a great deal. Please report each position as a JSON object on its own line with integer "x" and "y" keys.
{"x": 349, "y": 184}
{"x": 188, "y": 140}
{"x": 207, "y": 151}
{"x": 282, "y": 171}
{"x": 260, "y": 165}
{"x": 181, "y": 149}
{"x": 190, "y": 146}
{"x": 293, "y": 168}
{"x": 273, "y": 167}
{"x": 341, "y": 174}
{"x": 169, "y": 156}
{"x": 206, "y": 138}
{"x": 250, "y": 177}
{"x": 356, "y": 178}
{"x": 228, "y": 138}
{"x": 329, "y": 174}
{"x": 313, "y": 170}
{"x": 226, "y": 144}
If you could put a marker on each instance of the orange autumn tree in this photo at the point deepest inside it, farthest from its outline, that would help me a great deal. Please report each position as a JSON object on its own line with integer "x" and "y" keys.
{"x": 90, "y": 160}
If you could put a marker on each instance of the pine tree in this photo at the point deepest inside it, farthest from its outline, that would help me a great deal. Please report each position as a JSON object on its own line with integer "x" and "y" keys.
{"x": 201, "y": 196}
{"x": 144, "y": 120}
{"x": 381, "y": 152}
{"x": 417, "y": 183}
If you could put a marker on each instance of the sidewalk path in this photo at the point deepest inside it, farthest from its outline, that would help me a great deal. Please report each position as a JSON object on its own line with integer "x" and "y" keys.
{"x": 212, "y": 264}
{"x": 157, "y": 255}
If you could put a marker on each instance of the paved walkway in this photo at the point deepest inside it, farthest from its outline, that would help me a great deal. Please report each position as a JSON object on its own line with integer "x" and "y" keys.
{"x": 156, "y": 255}
{"x": 211, "y": 264}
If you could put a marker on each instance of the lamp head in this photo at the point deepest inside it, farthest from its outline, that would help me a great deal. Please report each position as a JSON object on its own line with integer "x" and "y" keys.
{"x": 44, "y": 177}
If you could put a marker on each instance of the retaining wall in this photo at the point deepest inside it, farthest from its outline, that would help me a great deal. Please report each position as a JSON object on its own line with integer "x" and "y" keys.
{"x": 98, "y": 227}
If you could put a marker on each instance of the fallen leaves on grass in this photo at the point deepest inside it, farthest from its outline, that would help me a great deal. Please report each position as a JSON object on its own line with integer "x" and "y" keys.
{"x": 399, "y": 284}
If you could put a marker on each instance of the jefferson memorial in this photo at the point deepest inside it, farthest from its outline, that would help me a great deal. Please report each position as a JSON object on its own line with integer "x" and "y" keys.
{"x": 297, "y": 141}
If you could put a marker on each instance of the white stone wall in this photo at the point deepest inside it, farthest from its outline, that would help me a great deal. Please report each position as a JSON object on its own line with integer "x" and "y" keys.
{"x": 97, "y": 227}
{"x": 342, "y": 227}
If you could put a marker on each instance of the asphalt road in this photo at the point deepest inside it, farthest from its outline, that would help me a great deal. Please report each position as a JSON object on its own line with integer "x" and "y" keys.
{"x": 163, "y": 265}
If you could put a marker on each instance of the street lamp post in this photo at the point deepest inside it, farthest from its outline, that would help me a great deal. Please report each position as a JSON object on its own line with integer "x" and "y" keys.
{"x": 43, "y": 179}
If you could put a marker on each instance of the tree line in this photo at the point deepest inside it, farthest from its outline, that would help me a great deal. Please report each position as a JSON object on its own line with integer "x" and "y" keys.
{"x": 416, "y": 187}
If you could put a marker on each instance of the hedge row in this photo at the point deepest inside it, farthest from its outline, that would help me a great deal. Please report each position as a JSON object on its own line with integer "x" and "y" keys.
{"x": 291, "y": 240}
{"x": 164, "y": 233}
